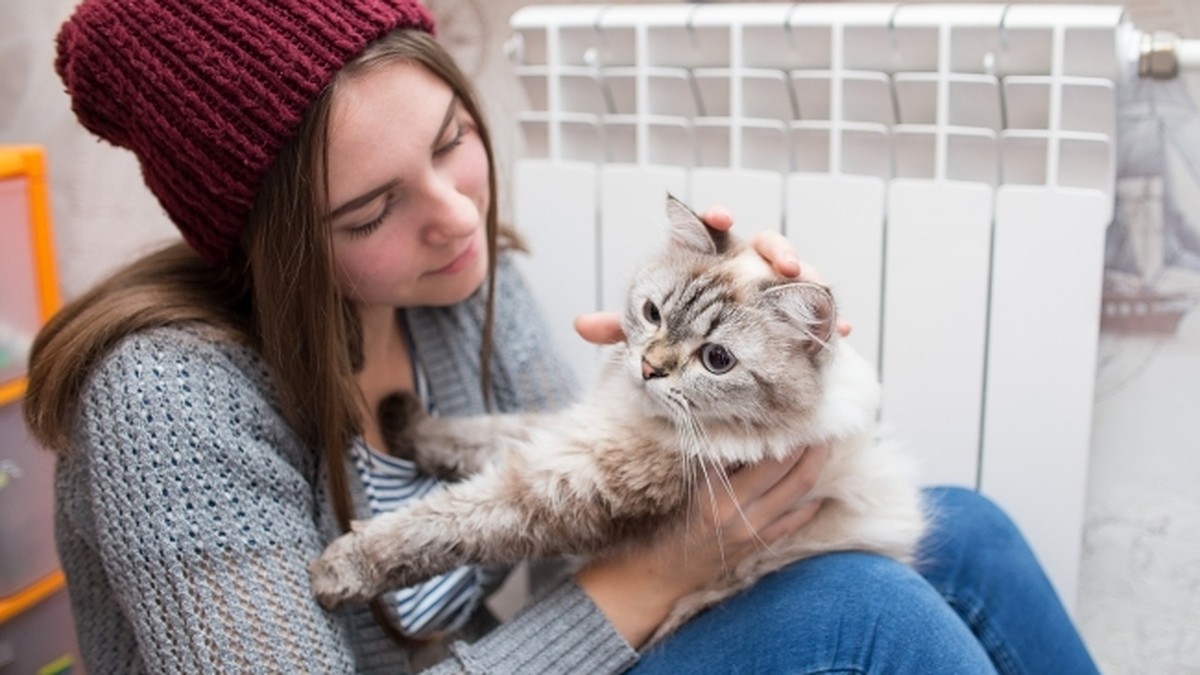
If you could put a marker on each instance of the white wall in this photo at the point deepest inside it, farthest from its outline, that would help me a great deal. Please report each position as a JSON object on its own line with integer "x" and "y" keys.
{"x": 102, "y": 212}
{"x": 1139, "y": 606}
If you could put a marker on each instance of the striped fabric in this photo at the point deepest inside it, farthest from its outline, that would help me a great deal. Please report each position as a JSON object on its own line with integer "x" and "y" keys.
{"x": 443, "y": 603}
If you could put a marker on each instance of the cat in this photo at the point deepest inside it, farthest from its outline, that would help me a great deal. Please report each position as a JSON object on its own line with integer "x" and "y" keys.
{"x": 724, "y": 364}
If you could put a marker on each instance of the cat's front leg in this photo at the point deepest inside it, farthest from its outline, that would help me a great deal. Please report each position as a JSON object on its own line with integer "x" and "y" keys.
{"x": 472, "y": 521}
{"x": 450, "y": 448}
{"x": 500, "y": 516}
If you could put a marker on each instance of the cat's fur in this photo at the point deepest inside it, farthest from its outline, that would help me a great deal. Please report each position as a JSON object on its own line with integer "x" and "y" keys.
{"x": 657, "y": 432}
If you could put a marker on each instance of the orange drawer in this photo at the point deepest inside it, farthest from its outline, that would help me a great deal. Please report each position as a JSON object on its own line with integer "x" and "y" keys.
{"x": 27, "y": 272}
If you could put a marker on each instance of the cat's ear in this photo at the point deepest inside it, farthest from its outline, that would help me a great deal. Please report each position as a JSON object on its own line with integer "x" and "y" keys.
{"x": 808, "y": 306}
{"x": 689, "y": 231}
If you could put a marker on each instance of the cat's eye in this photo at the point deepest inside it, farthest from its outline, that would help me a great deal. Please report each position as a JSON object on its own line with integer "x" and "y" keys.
{"x": 717, "y": 359}
{"x": 650, "y": 311}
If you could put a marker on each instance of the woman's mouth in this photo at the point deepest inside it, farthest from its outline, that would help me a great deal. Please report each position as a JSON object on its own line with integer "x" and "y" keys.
{"x": 463, "y": 259}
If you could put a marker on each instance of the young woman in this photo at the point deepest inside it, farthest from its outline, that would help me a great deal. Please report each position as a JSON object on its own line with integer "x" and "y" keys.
{"x": 213, "y": 404}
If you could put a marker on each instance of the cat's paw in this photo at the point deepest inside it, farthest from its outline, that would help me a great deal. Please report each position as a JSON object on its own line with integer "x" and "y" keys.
{"x": 344, "y": 573}
{"x": 443, "y": 467}
{"x": 411, "y": 433}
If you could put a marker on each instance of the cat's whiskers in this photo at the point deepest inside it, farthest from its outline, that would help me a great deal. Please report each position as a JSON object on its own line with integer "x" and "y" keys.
{"x": 725, "y": 482}
{"x": 691, "y": 435}
{"x": 693, "y": 441}
{"x": 716, "y": 513}
{"x": 696, "y": 440}
{"x": 688, "y": 478}
{"x": 700, "y": 443}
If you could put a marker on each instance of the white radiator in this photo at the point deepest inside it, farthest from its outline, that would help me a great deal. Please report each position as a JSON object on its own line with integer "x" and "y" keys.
{"x": 948, "y": 168}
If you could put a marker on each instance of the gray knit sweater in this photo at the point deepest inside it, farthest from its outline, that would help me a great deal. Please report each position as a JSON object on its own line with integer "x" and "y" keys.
{"x": 188, "y": 511}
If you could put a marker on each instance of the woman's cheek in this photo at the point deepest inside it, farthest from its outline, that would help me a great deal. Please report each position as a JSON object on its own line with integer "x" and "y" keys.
{"x": 371, "y": 269}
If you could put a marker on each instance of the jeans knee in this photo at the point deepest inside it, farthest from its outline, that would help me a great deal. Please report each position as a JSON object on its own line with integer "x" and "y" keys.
{"x": 878, "y": 608}
{"x": 852, "y": 584}
{"x": 969, "y": 534}
{"x": 840, "y": 612}
{"x": 970, "y": 517}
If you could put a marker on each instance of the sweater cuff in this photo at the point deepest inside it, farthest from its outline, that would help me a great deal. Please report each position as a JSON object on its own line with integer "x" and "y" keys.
{"x": 564, "y": 632}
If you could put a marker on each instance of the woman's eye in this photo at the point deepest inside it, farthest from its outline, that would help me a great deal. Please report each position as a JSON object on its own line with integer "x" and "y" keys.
{"x": 372, "y": 225}
{"x": 650, "y": 311}
{"x": 459, "y": 132}
{"x": 717, "y": 359}
{"x": 365, "y": 229}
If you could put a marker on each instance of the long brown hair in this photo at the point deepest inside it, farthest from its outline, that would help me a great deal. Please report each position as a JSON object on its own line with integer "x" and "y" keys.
{"x": 278, "y": 294}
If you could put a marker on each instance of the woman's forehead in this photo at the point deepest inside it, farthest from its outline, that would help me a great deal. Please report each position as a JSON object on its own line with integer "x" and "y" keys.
{"x": 384, "y": 122}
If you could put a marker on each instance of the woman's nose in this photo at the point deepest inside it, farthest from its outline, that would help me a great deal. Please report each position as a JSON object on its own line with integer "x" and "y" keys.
{"x": 452, "y": 215}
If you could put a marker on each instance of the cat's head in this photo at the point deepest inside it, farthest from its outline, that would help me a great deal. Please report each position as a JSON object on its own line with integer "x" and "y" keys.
{"x": 715, "y": 334}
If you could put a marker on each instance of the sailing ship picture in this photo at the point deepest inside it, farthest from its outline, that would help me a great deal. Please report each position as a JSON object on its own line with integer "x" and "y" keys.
{"x": 1150, "y": 321}
{"x": 1152, "y": 270}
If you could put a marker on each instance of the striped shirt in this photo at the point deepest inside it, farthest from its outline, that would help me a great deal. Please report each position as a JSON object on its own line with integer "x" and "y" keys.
{"x": 445, "y": 602}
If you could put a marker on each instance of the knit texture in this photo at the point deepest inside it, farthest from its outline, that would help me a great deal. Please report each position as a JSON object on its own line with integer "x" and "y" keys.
{"x": 188, "y": 511}
{"x": 206, "y": 93}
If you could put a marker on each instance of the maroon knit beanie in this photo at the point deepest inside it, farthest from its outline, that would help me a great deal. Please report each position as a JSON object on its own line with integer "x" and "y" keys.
{"x": 207, "y": 92}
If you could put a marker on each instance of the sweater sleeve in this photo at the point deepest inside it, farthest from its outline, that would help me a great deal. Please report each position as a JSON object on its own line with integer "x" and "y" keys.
{"x": 563, "y": 632}
{"x": 187, "y": 518}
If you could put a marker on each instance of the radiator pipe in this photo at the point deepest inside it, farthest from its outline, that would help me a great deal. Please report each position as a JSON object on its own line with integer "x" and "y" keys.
{"x": 1163, "y": 54}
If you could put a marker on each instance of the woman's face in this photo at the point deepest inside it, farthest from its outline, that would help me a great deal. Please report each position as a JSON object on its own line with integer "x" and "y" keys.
{"x": 408, "y": 190}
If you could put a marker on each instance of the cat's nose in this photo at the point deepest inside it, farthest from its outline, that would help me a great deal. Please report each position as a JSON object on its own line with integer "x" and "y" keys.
{"x": 649, "y": 372}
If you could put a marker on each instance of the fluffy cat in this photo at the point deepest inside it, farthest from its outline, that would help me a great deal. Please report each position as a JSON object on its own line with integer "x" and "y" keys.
{"x": 724, "y": 364}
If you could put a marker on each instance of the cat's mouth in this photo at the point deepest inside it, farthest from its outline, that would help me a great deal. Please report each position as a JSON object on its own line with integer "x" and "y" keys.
{"x": 668, "y": 402}
{"x": 664, "y": 398}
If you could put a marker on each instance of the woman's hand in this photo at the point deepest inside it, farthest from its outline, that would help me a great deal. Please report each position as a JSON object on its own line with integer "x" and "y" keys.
{"x": 636, "y": 589}
{"x": 605, "y": 327}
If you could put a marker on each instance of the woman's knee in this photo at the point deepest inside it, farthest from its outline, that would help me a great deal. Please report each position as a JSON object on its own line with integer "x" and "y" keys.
{"x": 880, "y": 614}
{"x": 968, "y": 504}
{"x": 965, "y": 519}
{"x": 845, "y": 611}
{"x": 825, "y": 589}
{"x": 842, "y": 580}
{"x": 877, "y": 592}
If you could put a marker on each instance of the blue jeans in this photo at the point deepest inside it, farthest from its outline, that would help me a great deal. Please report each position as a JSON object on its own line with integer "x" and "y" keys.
{"x": 978, "y": 603}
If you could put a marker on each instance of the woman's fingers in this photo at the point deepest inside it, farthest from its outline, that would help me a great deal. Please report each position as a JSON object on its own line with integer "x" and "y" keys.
{"x": 791, "y": 488}
{"x": 717, "y": 218}
{"x": 753, "y": 481}
{"x": 791, "y": 522}
{"x": 601, "y": 328}
{"x": 777, "y": 250}
{"x": 765, "y": 490}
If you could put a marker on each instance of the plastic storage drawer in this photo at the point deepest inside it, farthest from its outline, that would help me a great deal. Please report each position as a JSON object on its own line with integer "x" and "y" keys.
{"x": 27, "y": 551}
{"x": 20, "y": 315}
{"x": 41, "y": 640}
